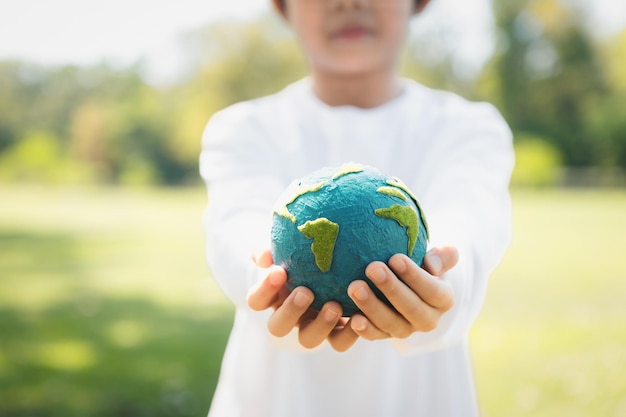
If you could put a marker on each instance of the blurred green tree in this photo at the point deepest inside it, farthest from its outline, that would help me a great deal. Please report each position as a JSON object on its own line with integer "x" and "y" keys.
{"x": 231, "y": 62}
{"x": 550, "y": 77}
{"x": 240, "y": 61}
{"x": 538, "y": 164}
{"x": 36, "y": 157}
{"x": 547, "y": 72}
{"x": 607, "y": 115}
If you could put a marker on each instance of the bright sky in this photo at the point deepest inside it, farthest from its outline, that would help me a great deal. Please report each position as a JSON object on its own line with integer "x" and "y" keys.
{"x": 119, "y": 31}
{"x": 124, "y": 31}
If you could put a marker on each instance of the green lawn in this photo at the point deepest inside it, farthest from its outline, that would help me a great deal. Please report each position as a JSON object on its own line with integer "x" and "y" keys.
{"x": 551, "y": 340}
{"x": 106, "y": 307}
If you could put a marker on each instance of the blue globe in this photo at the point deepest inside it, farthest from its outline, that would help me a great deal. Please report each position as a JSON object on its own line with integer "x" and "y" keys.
{"x": 329, "y": 225}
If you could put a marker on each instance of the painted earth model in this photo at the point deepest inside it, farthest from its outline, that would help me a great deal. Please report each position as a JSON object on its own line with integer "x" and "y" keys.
{"x": 328, "y": 226}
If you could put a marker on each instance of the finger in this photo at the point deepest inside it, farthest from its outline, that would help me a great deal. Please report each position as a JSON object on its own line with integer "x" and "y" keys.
{"x": 313, "y": 332}
{"x": 431, "y": 290}
{"x": 407, "y": 303}
{"x": 440, "y": 260}
{"x": 342, "y": 337}
{"x": 366, "y": 329}
{"x": 265, "y": 293}
{"x": 379, "y": 314}
{"x": 263, "y": 259}
{"x": 290, "y": 312}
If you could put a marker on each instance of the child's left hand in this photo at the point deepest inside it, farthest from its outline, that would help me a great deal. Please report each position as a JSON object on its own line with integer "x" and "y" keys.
{"x": 418, "y": 295}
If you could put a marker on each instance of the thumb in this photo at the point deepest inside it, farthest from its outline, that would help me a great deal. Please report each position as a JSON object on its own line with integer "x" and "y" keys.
{"x": 441, "y": 259}
{"x": 263, "y": 259}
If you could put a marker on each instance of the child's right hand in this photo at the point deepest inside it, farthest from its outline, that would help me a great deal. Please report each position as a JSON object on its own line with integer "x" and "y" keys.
{"x": 291, "y": 309}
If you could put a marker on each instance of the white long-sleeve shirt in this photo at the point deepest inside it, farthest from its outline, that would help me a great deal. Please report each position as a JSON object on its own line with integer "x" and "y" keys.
{"x": 456, "y": 157}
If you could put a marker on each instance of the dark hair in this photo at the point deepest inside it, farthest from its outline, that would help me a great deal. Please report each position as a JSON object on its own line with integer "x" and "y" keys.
{"x": 282, "y": 3}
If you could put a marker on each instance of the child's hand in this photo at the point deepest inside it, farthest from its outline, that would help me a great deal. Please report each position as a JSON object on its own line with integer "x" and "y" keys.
{"x": 291, "y": 309}
{"x": 419, "y": 296}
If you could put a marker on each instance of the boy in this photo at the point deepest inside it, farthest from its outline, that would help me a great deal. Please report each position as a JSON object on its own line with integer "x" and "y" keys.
{"x": 283, "y": 358}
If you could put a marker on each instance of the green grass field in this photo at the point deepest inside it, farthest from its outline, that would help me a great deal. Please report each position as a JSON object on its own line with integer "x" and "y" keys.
{"x": 551, "y": 340}
{"x": 107, "y": 308}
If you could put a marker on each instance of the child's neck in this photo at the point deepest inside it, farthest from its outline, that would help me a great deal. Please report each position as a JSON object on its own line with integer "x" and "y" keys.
{"x": 364, "y": 91}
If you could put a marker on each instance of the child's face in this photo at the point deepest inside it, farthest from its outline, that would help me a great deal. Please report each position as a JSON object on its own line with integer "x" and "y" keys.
{"x": 345, "y": 37}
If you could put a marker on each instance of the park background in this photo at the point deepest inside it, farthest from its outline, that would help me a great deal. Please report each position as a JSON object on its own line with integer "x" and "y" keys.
{"x": 107, "y": 307}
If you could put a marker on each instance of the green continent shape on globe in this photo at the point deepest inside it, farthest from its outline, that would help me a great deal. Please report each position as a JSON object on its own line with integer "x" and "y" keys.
{"x": 396, "y": 182}
{"x": 406, "y": 217}
{"x": 295, "y": 190}
{"x": 324, "y": 234}
{"x": 349, "y": 168}
{"x": 392, "y": 191}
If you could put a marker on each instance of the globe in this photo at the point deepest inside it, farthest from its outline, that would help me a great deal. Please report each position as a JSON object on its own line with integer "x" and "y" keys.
{"x": 330, "y": 224}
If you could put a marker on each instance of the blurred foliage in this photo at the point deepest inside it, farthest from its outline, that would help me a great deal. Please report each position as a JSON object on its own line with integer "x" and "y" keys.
{"x": 550, "y": 76}
{"x": 102, "y": 120}
{"x": 538, "y": 163}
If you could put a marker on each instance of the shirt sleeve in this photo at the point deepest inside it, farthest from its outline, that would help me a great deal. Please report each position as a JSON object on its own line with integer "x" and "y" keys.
{"x": 237, "y": 170}
{"x": 467, "y": 204}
